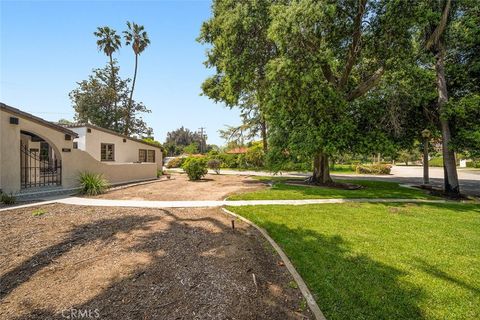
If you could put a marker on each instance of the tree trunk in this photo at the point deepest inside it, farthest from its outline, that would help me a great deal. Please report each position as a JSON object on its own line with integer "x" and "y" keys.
{"x": 264, "y": 135}
{"x": 321, "y": 171}
{"x": 112, "y": 80}
{"x": 128, "y": 111}
{"x": 426, "y": 179}
{"x": 451, "y": 184}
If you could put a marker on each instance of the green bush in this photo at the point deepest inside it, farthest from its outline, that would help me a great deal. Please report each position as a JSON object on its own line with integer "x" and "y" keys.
{"x": 195, "y": 168}
{"x": 255, "y": 157}
{"x": 92, "y": 183}
{"x": 159, "y": 173}
{"x": 192, "y": 148}
{"x": 473, "y": 164}
{"x": 373, "y": 169}
{"x": 38, "y": 212}
{"x": 436, "y": 162}
{"x": 215, "y": 165}
{"x": 7, "y": 199}
{"x": 228, "y": 160}
{"x": 175, "y": 162}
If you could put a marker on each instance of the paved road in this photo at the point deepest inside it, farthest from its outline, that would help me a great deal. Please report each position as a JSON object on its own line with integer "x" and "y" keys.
{"x": 469, "y": 178}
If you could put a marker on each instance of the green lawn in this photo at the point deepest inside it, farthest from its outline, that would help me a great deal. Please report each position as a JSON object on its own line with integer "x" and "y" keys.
{"x": 373, "y": 189}
{"x": 382, "y": 261}
{"x": 342, "y": 168}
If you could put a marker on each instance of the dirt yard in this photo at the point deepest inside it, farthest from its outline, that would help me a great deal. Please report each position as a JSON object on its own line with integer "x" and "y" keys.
{"x": 212, "y": 187}
{"x": 63, "y": 261}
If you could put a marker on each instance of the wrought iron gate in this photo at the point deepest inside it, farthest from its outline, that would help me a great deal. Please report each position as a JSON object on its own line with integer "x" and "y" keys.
{"x": 38, "y": 172}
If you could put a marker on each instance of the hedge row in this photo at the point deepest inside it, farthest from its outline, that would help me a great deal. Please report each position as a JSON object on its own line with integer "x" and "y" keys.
{"x": 373, "y": 169}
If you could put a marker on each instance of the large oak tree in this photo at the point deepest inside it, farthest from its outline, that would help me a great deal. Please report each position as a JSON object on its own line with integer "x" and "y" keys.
{"x": 330, "y": 53}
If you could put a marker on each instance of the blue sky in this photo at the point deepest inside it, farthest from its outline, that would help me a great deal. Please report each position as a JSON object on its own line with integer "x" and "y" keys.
{"x": 47, "y": 46}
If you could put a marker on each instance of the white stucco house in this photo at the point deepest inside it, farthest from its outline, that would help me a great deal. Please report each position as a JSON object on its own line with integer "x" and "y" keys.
{"x": 38, "y": 156}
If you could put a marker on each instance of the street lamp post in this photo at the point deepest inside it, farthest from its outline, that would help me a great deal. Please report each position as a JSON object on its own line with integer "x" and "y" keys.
{"x": 426, "y": 134}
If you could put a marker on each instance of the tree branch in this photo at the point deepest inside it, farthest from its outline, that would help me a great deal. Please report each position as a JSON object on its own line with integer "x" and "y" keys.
{"x": 368, "y": 84}
{"x": 328, "y": 74}
{"x": 436, "y": 34}
{"x": 355, "y": 45}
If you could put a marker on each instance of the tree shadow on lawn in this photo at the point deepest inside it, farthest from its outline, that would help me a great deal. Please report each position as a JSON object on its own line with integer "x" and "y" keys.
{"x": 451, "y": 206}
{"x": 197, "y": 270}
{"x": 436, "y": 272}
{"x": 347, "y": 285}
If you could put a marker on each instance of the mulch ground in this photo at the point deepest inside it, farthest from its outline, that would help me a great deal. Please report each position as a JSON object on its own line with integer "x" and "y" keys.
{"x": 63, "y": 261}
{"x": 212, "y": 187}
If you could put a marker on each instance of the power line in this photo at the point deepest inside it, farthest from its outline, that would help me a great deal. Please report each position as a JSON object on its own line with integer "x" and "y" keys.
{"x": 203, "y": 139}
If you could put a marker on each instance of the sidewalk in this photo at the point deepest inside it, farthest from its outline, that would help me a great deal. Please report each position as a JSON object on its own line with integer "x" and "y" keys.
{"x": 207, "y": 203}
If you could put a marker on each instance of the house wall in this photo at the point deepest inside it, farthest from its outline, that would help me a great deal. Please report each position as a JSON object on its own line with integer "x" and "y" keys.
{"x": 10, "y": 148}
{"x": 125, "y": 152}
{"x": 74, "y": 161}
{"x": 81, "y": 137}
{"x": 115, "y": 173}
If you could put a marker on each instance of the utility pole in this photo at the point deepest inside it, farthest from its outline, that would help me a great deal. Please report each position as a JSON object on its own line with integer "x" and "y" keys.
{"x": 426, "y": 134}
{"x": 203, "y": 139}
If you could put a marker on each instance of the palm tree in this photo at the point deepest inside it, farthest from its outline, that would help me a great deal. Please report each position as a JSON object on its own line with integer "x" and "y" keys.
{"x": 109, "y": 42}
{"x": 138, "y": 38}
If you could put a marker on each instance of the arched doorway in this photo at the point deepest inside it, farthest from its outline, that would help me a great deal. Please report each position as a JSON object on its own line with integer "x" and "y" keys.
{"x": 40, "y": 163}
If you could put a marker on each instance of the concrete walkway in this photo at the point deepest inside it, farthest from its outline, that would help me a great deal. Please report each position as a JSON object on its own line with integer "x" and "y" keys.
{"x": 207, "y": 203}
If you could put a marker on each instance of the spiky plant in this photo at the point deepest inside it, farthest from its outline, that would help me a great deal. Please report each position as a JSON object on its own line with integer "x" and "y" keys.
{"x": 92, "y": 184}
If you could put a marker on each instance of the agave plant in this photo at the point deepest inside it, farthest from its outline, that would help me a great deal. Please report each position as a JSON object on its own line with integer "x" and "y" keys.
{"x": 92, "y": 184}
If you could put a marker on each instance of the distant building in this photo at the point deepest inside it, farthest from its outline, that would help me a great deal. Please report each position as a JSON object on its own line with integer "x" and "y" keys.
{"x": 239, "y": 150}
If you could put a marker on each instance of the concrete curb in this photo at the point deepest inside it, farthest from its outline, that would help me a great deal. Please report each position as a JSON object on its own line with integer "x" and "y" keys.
{"x": 312, "y": 304}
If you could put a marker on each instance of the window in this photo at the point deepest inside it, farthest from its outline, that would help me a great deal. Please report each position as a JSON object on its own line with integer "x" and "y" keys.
{"x": 151, "y": 156}
{"x": 146, "y": 155}
{"x": 142, "y": 155}
{"x": 107, "y": 152}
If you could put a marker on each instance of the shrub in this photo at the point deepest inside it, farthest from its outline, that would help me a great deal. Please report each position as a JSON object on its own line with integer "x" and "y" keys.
{"x": 473, "y": 164}
{"x": 242, "y": 161}
{"x": 215, "y": 165}
{"x": 92, "y": 183}
{"x": 175, "y": 162}
{"x": 373, "y": 169}
{"x": 195, "y": 168}
{"x": 159, "y": 173}
{"x": 38, "y": 212}
{"x": 192, "y": 148}
{"x": 7, "y": 199}
{"x": 255, "y": 156}
{"x": 436, "y": 162}
{"x": 228, "y": 160}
